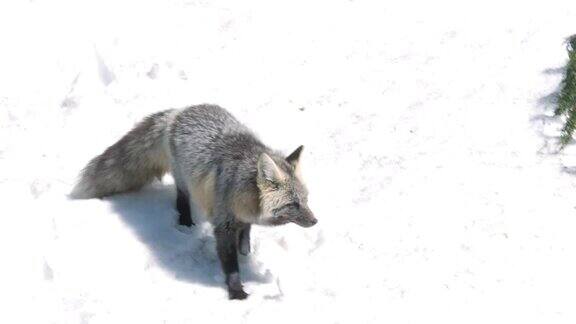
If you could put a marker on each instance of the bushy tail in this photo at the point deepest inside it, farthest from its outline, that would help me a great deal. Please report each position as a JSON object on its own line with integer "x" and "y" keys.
{"x": 132, "y": 162}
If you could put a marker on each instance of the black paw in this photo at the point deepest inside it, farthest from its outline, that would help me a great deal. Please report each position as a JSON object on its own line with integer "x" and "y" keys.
{"x": 237, "y": 294}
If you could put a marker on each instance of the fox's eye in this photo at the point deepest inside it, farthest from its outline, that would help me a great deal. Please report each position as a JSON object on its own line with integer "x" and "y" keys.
{"x": 278, "y": 211}
{"x": 292, "y": 205}
{"x": 273, "y": 184}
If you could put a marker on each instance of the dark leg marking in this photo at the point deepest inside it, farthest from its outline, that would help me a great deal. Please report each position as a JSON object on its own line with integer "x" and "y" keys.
{"x": 226, "y": 244}
{"x": 183, "y": 206}
{"x": 244, "y": 245}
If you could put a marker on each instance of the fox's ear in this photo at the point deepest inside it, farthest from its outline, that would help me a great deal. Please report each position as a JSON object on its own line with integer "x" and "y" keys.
{"x": 294, "y": 157}
{"x": 268, "y": 170}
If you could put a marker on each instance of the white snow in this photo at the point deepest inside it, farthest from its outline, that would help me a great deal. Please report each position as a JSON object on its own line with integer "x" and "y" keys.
{"x": 428, "y": 157}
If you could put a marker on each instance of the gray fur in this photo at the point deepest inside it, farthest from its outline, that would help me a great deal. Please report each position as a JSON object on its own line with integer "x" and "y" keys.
{"x": 217, "y": 163}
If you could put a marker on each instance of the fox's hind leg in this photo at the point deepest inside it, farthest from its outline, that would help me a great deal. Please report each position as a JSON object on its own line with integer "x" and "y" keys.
{"x": 183, "y": 206}
{"x": 244, "y": 240}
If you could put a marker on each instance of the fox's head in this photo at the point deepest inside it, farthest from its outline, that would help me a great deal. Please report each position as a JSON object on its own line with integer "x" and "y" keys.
{"x": 283, "y": 196}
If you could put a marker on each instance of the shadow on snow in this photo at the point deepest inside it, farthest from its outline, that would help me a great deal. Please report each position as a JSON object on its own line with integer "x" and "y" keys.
{"x": 187, "y": 253}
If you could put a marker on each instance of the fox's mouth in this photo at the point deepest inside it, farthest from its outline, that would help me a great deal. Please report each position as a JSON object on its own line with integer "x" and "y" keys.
{"x": 293, "y": 213}
{"x": 277, "y": 220}
{"x": 306, "y": 222}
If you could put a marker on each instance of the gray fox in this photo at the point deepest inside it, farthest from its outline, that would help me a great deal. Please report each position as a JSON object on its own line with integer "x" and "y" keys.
{"x": 218, "y": 165}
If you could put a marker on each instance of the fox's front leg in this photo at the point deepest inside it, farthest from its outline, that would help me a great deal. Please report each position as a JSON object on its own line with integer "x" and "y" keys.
{"x": 226, "y": 243}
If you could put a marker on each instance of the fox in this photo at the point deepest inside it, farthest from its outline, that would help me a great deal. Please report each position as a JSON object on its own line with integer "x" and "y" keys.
{"x": 219, "y": 166}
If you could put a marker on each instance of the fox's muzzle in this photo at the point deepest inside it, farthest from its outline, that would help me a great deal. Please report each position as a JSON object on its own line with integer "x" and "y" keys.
{"x": 305, "y": 218}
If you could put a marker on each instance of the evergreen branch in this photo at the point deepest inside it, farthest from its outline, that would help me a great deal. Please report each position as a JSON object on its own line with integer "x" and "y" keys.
{"x": 566, "y": 103}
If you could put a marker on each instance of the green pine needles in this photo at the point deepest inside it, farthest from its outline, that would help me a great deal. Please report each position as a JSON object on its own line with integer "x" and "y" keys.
{"x": 567, "y": 97}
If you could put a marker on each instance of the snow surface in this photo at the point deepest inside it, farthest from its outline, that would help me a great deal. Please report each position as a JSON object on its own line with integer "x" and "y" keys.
{"x": 429, "y": 158}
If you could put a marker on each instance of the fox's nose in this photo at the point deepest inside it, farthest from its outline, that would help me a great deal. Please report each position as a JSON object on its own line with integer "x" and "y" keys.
{"x": 309, "y": 222}
{"x": 310, "y": 219}
{"x": 305, "y": 218}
